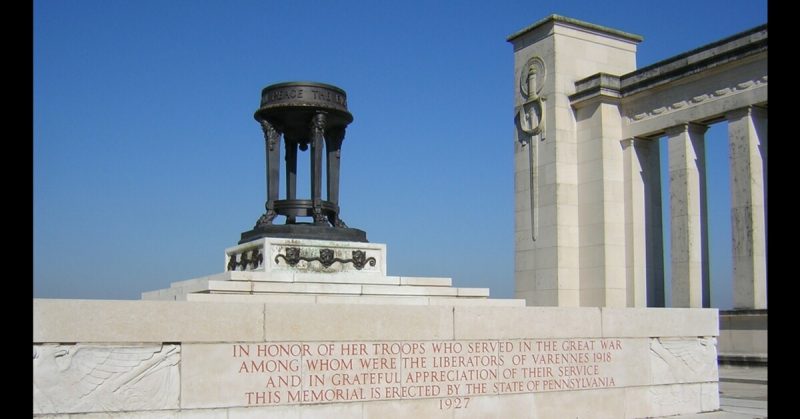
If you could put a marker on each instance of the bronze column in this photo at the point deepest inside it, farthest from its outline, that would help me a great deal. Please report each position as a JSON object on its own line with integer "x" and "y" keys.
{"x": 333, "y": 145}
{"x": 317, "y": 136}
{"x": 273, "y": 150}
{"x": 291, "y": 174}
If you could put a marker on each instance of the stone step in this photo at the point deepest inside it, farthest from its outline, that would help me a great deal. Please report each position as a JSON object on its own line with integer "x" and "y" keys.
{"x": 373, "y": 278}
{"x": 353, "y": 299}
{"x": 352, "y": 289}
{"x": 179, "y": 290}
{"x": 754, "y": 360}
{"x": 407, "y": 290}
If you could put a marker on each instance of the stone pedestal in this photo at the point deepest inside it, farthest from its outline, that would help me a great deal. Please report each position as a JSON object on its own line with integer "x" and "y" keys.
{"x": 318, "y": 271}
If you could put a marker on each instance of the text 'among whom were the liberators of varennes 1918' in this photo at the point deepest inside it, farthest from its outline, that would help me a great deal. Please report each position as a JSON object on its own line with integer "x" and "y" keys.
{"x": 327, "y": 372}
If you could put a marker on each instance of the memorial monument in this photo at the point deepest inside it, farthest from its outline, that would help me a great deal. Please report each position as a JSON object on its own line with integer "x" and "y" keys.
{"x": 306, "y": 114}
{"x": 305, "y": 321}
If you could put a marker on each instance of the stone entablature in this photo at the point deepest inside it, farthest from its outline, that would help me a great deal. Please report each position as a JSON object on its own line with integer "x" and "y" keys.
{"x": 731, "y": 49}
{"x": 727, "y": 69}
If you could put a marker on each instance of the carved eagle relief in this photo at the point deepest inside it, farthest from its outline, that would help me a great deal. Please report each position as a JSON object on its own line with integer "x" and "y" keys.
{"x": 683, "y": 360}
{"x": 92, "y": 378}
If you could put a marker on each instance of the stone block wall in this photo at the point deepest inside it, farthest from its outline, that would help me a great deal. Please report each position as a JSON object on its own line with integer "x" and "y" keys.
{"x": 154, "y": 359}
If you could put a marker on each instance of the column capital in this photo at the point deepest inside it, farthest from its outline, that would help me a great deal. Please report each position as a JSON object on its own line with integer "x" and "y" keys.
{"x": 638, "y": 142}
{"x": 271, "y": 133}
{"x": 690, "y": 127}
{"x": 739, "y": 113}
{"x": 318, "y": 122}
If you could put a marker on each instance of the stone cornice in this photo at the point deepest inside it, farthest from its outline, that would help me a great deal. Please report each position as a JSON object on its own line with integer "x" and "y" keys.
{"x": 567, "y": 21}
{"x": 746, "y": 47}
{"x": 600, "y": 85}
{"x": 732, "y": 48}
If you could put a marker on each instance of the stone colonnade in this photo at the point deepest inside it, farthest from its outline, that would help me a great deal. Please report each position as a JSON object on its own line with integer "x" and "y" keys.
{"x": 747, "y": 141}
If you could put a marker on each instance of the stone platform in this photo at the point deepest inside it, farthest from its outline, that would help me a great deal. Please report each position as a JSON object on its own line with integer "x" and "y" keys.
{"x": 263, "y": 288}
{"x": 317, "y": 329}
{"x": 743, "y": 337}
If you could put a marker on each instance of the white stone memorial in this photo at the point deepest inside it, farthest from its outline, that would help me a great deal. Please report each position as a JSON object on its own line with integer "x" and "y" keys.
{"x": 303, "y": 328}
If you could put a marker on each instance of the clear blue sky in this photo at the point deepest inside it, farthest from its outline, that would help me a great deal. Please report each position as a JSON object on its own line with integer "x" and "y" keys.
{"x": 148, "y": 163}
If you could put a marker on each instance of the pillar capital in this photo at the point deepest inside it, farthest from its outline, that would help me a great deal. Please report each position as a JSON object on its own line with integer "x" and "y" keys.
{"x": 690, "y": 127}
{"x": 638, "y": 142}
{"x": 627, "y": 142}
{"x": 739, "y": 113}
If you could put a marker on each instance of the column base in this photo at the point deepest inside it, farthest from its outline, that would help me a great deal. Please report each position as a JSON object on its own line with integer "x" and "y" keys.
{"x": 305, "y": 231}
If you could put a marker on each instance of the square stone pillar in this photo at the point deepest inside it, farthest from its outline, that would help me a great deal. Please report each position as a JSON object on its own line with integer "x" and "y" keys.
{"x": 643, "y": 233}
{"x": 547, "y": 264}
{"x": 687, "y": 202}
{"x": 747, "y": 137}
{"x": 601, "y": 198}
